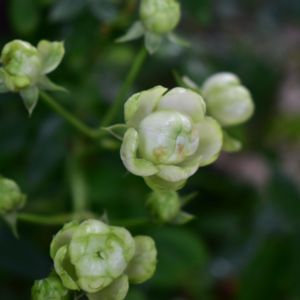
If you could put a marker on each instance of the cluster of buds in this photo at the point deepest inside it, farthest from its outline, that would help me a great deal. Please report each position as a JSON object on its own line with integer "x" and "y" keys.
{"x": 98, "y": 260}
{"x": 25, "y": 67}
{"x": 158, "y": 19}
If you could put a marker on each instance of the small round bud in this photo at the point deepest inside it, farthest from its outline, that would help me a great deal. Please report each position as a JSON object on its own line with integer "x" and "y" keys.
{"x": 160, "y": 16}
{"x": 21, "y": 63}
{"x": 11, "y": 197}
{"x": 164, "y": 205}
{"x": 49, "y": 288}
{"x": 227, "y": 100}
{"x": 143, "y": 264}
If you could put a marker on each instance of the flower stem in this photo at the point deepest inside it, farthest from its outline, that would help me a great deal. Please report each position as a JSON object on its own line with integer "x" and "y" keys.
{"x": 132, "y": 75}
{"x": 69, "y": 117}
{"x": 53, "y": 220}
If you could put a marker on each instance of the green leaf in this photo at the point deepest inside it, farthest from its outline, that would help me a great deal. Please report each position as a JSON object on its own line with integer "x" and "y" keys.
{"x": 136, "y": 31}
{"x": 24, "y": 15}
{"x": 177, "y": 40}
{"x": 65, "y": 10}
{"x": 51, "y": 54}
{"x": 152, "y": 42}
{"x": 117, "y": 130}
{"x": 230, "y": 144}
{"x": 46, "y": 84}
{"x": 30, "y": 98}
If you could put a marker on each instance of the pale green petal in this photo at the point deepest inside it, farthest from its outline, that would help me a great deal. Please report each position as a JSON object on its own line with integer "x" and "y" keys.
{"x": 63, "y": 237}
{"x": 127, "y": 240}
{"x": 64, "y": 269}
{"x": 210, "y": 144}
{"x": 184, "y": 101}
{"x": 157, "y": 183}
{"x": 135, "y": 165}
{"x": 231, "y": 144}
{"x": 142, "y": 104}
{"x": 51, "y": 55}
{"x": 175, "y": 173}
{"x": 115, "y": 291}
{"x": 143, "y": 265}
{"x": 219, "y": 81}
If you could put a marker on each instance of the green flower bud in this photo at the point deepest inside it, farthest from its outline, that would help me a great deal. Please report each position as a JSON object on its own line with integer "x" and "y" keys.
{"x": 169, "y": 137}
{"x": 227, "y": 100}
{"x": 160, "y": 16}
{"x": 49, "y": 288}
{"x": 11, "y": 197}
{"x": 164, "y": 205}
{"x": 91, "y": 255}
{"x": 21, "y": 63}
{"x": 115, "y": 291}
{"x": 143, "y": 264}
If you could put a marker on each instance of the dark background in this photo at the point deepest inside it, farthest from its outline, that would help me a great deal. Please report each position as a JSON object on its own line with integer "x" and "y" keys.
{"x": 245, "y": 241}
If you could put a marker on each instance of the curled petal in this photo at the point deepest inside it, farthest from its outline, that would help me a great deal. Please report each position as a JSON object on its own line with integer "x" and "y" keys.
{"x": 62, "y": 238}
{"x": 135, "y": 165}
{"x": 142, "y": 104}
{"x": 115, "y": 291}
{"x": 172, "y": 173}
{"x": 64, "y": 269}
{"x": 184, "y": 101}
{"x": 210, "y": 144}
{"x": 143, "y": 265}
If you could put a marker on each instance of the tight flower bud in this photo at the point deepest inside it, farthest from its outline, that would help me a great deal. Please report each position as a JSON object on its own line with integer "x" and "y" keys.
{"x": 164, "y": 205}
{"x": 11, "y": 197}
{"x": 143, "y": 264}
{"x": 49, "y": 288}
{"x": 227, "y": 100}
{"x": 160, "y": 16}
{"x": 169, "y": 137}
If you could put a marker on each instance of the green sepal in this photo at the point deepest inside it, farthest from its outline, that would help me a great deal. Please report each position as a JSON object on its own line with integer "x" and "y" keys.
{"x": 182, "y": 218}
{"x": 136, "y": 31}
{"x": 230, "y": 144}
{"x": 186, "y": 82}
{"x": 177, "y": 40}
{"x": 3, "y": 87}
{"x": 48, "y": 85}
{"x": 11, "y": 220}
{"x": 51, "y": 55}
{"x": 30, "y": 98}
{"x": 152, "y": 42}
{"x": 117, "y": 130}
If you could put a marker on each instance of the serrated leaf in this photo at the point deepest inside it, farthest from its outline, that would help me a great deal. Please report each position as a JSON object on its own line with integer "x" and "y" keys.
{"x": 136, "y": 31}
{"x": 230, "y": 144}
{"x": 51, "y": 54}
{"x": 117, "y": 130}
{"x": 30, "y": 98}
{"x": 46, "y": 84}
{"x": 152, "y": 42}
{"x": 177, "y": 40}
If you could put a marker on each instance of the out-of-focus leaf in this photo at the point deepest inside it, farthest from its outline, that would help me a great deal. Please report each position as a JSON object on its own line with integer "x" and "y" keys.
{"x": 180, "y": 255}
{"x": 24, "y": 15}
{"x": 104, "y": 10}
{"x": 65, "y": 10}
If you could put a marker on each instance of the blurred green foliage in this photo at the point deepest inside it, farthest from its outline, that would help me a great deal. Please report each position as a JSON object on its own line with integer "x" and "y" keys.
{"x": 245, "y": 242}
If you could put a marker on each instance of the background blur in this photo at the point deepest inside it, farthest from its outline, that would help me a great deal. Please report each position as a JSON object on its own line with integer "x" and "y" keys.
{"x": 245, "y": 242}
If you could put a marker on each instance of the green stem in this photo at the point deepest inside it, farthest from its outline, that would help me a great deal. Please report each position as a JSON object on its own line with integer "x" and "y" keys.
{"x": 54, "y": 220}
{"x": 132, "y": 75}
{"x": 69, "y": 117}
